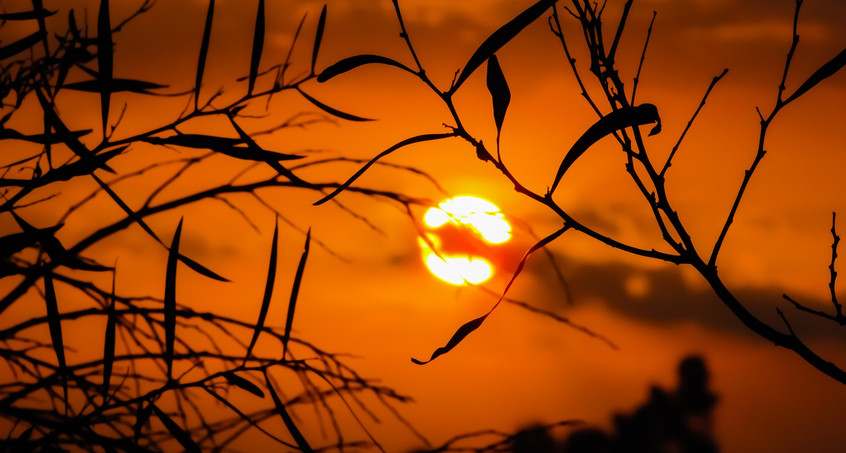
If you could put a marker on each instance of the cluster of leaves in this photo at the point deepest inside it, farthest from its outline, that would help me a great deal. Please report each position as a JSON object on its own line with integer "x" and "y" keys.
{"x": 51, "y": 402}
{"x": 621, "y": 120}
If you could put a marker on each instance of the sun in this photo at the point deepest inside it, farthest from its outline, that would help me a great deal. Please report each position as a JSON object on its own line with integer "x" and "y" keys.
{"x": 461, "y": 232}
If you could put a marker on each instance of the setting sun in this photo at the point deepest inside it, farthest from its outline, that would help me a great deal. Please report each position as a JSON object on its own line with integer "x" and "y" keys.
{"x": 462, "y": 230}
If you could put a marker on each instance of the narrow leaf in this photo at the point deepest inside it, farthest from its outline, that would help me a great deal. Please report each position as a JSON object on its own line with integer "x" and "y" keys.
{"x": 170, "y": 300}
{"x": 286, "y": 418}
{"x": 321, "y": 23}
{"x": 20, "y": 45}
{"x": 104, "y": 59}
{"x": 406, "y": 142}
{"x": 295, "y": 290}
{"x": 500, "y": 37}
{"x": 177, "y": 432}
{"x": 69, "y": 139}
{"x": 500, "y": 94}
{"x": 242, "y": 383}
{"x": 470, "y": 326}
{"x": 223, "y": 145}
{"x": 204, "y": 51}
{"x": 27, "y": 15}
{"x": 268, "y": 292}
{"x": 109, "y": 343}
{"x": 38, "y": 7}
{"x": 55, "y": 325}
{"x": 258, "y": 44}
{"x": 825, "y": 71}
{"x": 350, "y": 63}
{"x": 200, "y": 269}
{"x": 608, "y": 124}
{"x": 331, "y": 110}
{"x": 459, "y": 335}
{"x": 197, "y": 267}
{"x": 273, "y": 164}
{"x": 115, "y": 85}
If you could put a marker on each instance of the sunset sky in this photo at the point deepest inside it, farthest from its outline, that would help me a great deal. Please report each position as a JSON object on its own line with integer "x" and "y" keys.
{"x": 366, "y": 290}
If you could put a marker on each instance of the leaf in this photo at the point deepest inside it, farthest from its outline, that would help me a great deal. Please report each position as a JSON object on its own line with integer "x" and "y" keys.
{"x": 459, "y": 335}
{"x": 258, "y": 44}
{"x": 223, "y": 145}
{"x": 268, "y": 292}
{"x": 406, "y": 142}
{"x": 178, "y": 433}
{"x": 350, "y": 63}
{"x": 500, "y": 94}
{"x": 104, "y": 59}
{"x": 204, "y": 51}
{"x": 242, "y": 383}
{"x": 501, "y": 37}
{"x": 55, "y": 325}
{"x": 170, "y": 300}
{"x": 20, "y": 45}
{"x": 27, "y": 15}
{"x": 38, "y": 8}
{"x": 115, "y": 85}
{"x": 330, "y": 110}
{"x": 286, "y": 418}
{"x": 200, "y": 269}
{"x": 251, "y": 144}
{"x": 470, "y": 326}
{"x": 825, "y": 71}
{"x": 41, "y": 139}
{"x": 109, "y": 342}
{"x": 67, "y": 138}
{"x": 295, "y": 289}
{"x": 608, "y": 124}
{"x": 321, "y": 24}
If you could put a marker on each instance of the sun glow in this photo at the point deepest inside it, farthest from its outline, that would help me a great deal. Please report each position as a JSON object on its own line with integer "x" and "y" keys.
{"x": 462, "y": 229}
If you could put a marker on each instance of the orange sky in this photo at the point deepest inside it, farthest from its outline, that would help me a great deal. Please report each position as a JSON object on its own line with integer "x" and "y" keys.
{"x": 519, "y": 368}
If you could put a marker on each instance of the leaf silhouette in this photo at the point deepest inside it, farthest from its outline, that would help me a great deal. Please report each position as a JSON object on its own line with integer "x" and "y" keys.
{"x": 258, "y": 44}
{"x": 178, "y": 433}
{"x": 321, "y": 24}
{"x": 331, "y": 110}
{"x": 20, "y": 45}
{"x": 608, "y": 124}
{"x": 500, "y": 94}
{"x": 242, "y": 383}
{"x": 41, "y": 13}
{"x": 67, "y": 137}
{"x": 357, "y": 174}
{"x": 459, "y": 335}
{"x": 223, "y": 145}
{"x": 200, "y": 269}
{"x": 104, "y": 59}
{"x": 500, "y": 37}
{"x": 350, "y": 63}
{"x": 470, "y": 326}
{"x": 42, "y": 139}
{"x": 204, "y": 51}
{"x": 286, "y": 418}
{"x": 170, "y": 300}
{"x": 825, "y": 71}
{"x": 115, "y": 85}
{"x": 109, "y": 342}
{"x": 295, "y": 290}
{"x": 55, "y": 325}
{"x": 38, "y": 13}
{"x": 268, "y": 292}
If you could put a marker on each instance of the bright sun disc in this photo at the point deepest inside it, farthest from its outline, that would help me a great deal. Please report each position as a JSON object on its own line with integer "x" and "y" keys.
{"x": 469, "y": 213}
